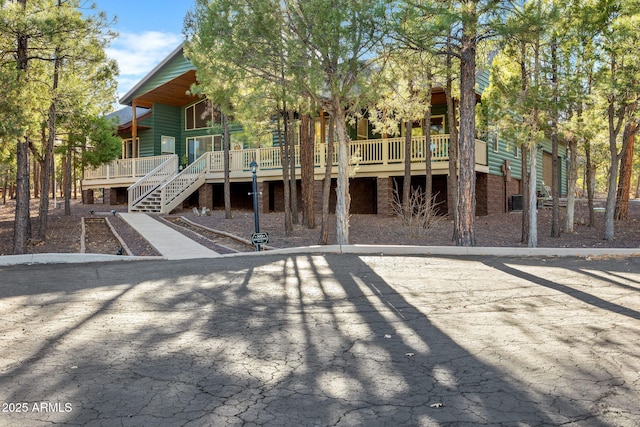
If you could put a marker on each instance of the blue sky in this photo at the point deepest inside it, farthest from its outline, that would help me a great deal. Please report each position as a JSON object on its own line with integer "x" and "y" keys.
{"x": 149, "y": 30}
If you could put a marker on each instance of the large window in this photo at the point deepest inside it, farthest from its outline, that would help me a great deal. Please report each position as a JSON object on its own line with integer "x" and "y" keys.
{"x": 201, "y": 115}
{"x": 199, "y": 145}
{"x": 168, "y": 144}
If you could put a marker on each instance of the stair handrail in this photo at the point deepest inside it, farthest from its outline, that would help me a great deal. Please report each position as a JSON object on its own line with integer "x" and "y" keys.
{"x": 145, "y": 185}
{"x": 180, "y": 182}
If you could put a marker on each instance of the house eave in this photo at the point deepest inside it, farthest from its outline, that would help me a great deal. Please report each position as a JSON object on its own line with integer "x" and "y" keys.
{"x": 127, "y": 99}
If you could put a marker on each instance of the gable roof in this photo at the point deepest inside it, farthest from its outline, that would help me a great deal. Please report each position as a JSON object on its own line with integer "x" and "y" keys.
{"x": 124, "y": 117}
{"x": 167, "y": 83}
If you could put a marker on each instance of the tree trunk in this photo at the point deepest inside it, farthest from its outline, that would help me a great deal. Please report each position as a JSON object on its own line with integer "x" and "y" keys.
{"x": 306, "y": 169}
{"x": 555, "y": 170}
{"x": 36, "y": 178}
{"x": 406, "y": 184}
{"x": 226, "y": 141}
{"x": 572, "y": 146}
{"x": 75, "y": 175}
{"x": 343, "y": 199}
{"x": 533, "y": 197}
{"x": 21, "y": 226}
{"x": 615, "y": 123}
{"x": 326, "y": 185}
{"x": 452, "y": 178}
{"x": 524, "y": 186}
{"x": 67, "y": 179}
{"x": 43, "y": 213}
{"x": 428, "y": 182}
{"x": 555, "y": 184}
{"x": 288, "y": 226}
{"x": 291, "y": 157}
{"x": 466, "y": 235}
{"x": 626, "y": 169}
{"x": 590, "y": 178}
{"x": 5, "y": 186}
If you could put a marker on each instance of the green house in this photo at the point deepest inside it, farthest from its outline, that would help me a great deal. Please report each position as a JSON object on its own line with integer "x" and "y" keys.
{"x": 172, "y": 158}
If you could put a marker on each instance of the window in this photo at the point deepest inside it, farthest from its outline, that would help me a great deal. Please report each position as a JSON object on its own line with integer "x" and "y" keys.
{"x": 127, "y": 148}
{"x": 168, "y": 145}
{"x": 201, "y": 115}
{"x": 320, "y": 132}
{"x": 363, "y": 128}
{"x": 437, "y": 125}
{"x": 199, "y": 145}
{"x": 492, "y": 140}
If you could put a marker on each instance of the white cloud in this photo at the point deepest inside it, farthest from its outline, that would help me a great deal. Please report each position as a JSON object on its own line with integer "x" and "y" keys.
{"x": 139, "y": 53}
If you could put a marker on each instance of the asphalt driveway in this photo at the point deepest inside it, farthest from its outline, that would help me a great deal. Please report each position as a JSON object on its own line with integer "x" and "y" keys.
{"x": 334, "y": 339}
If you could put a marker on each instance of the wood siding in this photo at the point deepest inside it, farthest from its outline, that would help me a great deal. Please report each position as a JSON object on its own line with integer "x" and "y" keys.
{"x": 174, "y": 68}
{"x": 166, "y": 122}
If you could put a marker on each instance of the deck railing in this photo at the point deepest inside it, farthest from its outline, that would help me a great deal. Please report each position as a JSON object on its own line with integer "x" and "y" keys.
{"x": 126, "y": 168}
{"x": 173, "y": 188}
{"x": 385, "y": 151}
{"x": 153, "y": 179}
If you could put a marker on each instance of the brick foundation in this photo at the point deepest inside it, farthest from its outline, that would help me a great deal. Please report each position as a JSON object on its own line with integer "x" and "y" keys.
{"x": 114, "y": 196}
{"x": 498, "y": 193}
{"x": 88, "y": 197}
{"x": 384, "y": 196}
{"x": 317, "y": 197}
{"x": 482, "y": 195}
{"x": 205, "y": 196}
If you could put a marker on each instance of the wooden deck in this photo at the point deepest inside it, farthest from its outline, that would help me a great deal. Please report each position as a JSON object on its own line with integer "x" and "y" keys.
{"x": 369, "y": 158}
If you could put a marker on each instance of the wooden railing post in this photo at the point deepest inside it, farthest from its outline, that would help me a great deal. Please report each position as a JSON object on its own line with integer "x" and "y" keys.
{"x": 323, "y": 155}
{"x": 385, "y": 151}
{"x": 257, "y": 159}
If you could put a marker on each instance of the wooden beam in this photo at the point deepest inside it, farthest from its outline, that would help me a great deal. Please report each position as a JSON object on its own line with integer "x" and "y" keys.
{"x": 134, "y": 129}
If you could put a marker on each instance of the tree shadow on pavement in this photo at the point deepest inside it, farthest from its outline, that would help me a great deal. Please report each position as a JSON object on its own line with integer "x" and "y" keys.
{"x": 269, "y": 340}
{"x": 581, "y": 295}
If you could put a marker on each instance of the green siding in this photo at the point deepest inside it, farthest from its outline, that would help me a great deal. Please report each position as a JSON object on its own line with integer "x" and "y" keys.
{"x": 174, "y": 68}
{"x": 146, "y": 143}
{"x": 166, "y": 122}
{"x": 506, "y": 151}
{"x": 482, "y": 81}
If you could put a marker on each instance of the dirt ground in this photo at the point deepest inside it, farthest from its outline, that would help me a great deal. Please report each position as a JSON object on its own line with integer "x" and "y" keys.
{"x": 64, "y": 232}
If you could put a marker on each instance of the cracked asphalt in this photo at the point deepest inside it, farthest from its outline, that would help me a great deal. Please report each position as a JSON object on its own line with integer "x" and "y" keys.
{"x": 322, "y": 340}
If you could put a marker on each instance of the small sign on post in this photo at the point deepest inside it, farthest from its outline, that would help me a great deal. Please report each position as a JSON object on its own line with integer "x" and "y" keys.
{"x": 259, "y": 239}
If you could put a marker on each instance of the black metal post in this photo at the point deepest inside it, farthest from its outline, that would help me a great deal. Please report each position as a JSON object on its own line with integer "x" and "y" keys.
{"x": 254, "y": 187}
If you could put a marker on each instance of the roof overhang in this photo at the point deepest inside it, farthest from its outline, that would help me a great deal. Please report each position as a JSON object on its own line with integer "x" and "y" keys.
{"x": 173, "y": 92}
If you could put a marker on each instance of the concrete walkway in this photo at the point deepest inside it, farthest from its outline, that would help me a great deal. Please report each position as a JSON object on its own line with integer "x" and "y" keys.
{"x": 170, "y": 243}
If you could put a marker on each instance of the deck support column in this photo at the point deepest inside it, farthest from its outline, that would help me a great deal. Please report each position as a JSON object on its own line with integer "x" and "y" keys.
{"x": 318, "y": 185}
{"x": 87, "y": 197}
{"x": 205, "y": 196}
{"x": 384, "y": 196}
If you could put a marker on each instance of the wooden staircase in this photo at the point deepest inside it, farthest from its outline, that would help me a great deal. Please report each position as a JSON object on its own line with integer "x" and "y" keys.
{"x": 163, "y": 189}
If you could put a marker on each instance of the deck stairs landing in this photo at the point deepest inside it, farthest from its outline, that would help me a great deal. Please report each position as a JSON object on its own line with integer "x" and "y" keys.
{"x": 163, "y": 189}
